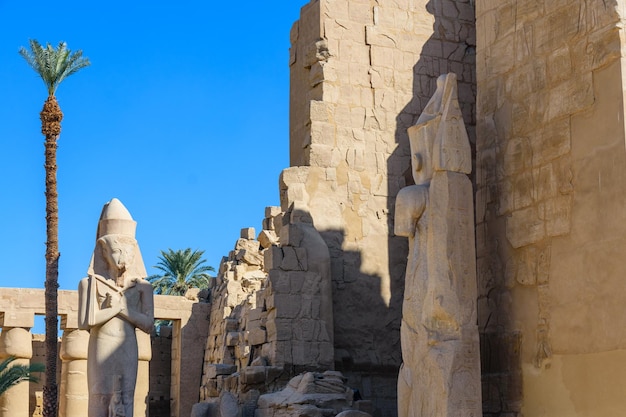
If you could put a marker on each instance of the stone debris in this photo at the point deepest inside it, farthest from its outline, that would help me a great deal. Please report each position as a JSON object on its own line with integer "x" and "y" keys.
{"x": 311, "y": 394}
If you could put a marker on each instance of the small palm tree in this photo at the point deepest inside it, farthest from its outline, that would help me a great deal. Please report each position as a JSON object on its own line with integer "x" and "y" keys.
{"x": 13, "y": 375}
{"x": 53, "y": 66}
{"x": 182, "y": 269}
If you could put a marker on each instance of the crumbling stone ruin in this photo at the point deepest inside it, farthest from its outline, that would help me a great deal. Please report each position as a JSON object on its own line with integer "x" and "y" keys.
{"x": 541, "y": 92}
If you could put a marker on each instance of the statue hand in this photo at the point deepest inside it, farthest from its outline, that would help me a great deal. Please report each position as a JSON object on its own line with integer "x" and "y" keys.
{"x": 115, "y": 301}
{"x": 108, "y": 300}
{"x": 123, "y": 303}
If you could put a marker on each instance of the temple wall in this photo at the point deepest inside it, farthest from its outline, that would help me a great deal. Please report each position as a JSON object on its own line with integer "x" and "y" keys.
{"x": 361, "y": 72}
{"x": 550, "y": 198}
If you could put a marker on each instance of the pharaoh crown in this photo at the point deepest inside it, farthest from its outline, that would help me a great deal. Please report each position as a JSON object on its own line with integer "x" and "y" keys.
{"x": 115, "y": 220}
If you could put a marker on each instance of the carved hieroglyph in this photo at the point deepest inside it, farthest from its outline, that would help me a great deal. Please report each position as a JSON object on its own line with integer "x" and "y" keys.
{"x": 114, "y": 300}
{"x": 440, "y": 374}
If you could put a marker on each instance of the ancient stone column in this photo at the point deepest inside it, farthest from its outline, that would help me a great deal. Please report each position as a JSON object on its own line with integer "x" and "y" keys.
{"x": 73, "y": 401}
{"x": 17, "y": 342}
{"x": 142, "y": 388}
{"x": 440, "y": 374}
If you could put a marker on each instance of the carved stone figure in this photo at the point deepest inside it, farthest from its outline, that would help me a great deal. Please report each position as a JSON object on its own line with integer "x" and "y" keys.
{"x": 440, "y": 374}
{"x": 114, "y": 300}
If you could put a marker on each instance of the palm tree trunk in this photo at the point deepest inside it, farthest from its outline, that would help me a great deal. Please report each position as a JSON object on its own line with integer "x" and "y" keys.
{"x": 51, "y": 116}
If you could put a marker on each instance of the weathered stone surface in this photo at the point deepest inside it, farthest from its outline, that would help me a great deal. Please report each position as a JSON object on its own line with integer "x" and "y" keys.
{"x": 308, "y": 394}
{"x": 248, "y": 233}
{"x": 205, "y": 410}
{"x": 257, "y": 336}
{"x": 441, "y": 370}
{"x": 353, "y": 413}
{"x": 540, "y": 250}
{"x": 267, "y": 238}
{"x": 113, "y": 301}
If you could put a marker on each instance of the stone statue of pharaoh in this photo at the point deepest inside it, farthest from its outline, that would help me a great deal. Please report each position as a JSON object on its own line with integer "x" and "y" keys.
{"x": 114, "y": 300}
{"x": 440, "y": 374}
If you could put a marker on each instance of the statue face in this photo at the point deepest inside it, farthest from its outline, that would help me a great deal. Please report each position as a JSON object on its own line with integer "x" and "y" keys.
{"x": 421, "y": 139}
{"x": 118, "y": 252}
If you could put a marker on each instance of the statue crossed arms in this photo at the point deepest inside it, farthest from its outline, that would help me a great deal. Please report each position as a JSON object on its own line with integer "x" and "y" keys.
{"x": 114, "y": 300}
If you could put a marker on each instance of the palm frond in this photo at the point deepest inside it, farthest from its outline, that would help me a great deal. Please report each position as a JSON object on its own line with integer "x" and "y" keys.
{"x": 53, "y": 64}
{"x": 12, "y": 374}
{"x": 181, "y": 270}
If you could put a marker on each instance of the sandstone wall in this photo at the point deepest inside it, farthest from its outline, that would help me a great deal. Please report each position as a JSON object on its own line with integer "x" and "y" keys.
{"x": 361, "y": 72}
{"x": 160, "y": 373}
{"x": 550, "y": 198}
{"x": 267, "y": 321}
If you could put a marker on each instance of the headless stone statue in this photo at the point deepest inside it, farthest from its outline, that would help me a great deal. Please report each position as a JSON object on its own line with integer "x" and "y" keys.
{"x": 440, "y": 374}
{"x": 113, "y": 301}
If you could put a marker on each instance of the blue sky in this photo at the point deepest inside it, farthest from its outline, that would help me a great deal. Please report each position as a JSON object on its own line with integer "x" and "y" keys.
{"x": 183, "y": 116}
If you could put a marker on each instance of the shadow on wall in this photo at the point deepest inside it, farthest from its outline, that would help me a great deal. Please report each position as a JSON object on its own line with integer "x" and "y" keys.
{"x": 450, "y": 48}
{"x": 372, "y": 375}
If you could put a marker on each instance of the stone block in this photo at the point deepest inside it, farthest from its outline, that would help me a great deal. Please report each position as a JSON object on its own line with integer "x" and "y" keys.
{"x": 279, "y": 330}
{"x": 280, "y": 353}
{"x": 291, "y": 235}
{"x": 210, "y": 388}
{"x": 353, "y": 413}
{"x": 322, "y": 156}
{"x": 257, "y": 336}
{"x": 360, "y": 12}
{"x": 248, "y": 233}
{"x": 228, "y": 405}
{"x": 233, "y": 338}
{"x": 287, "y": 306}
{"x": 296, "y": 281}
{"x": 523, "y": 189}
{"x": 264, "y": 412}
{"x": 279, "y": 281}
{"x": 525, "y": 227}
{"x": 320, "y": 111}
{"x": 553, "y": 142}
{"x": 294, "y": 259}
{"x": 557, "y": 213}
{"x": 239, "y": 270}
{"x": 204, "y": 409}
{"x": 16, "y": 318}
{"x": 250, "y": 257}
{"x": 545, "y": 182}
{"x": 571, "y": 96}
{"x": 303, "y": 352}
{"x": 268, "y": 224}
{"x": 231, "y": 325}
{"x": 256, "y": 314}
{"x": 253, "y": 375}
{"x": 375, "y": 35}
{"x": 212, "y": 371}
{"x": 272, "y": 258}
{"x": 304, "y": 330}
{"x": 323, "y": 134}
{"x": 272, "y": 211}
{"x": 267, "y": 238}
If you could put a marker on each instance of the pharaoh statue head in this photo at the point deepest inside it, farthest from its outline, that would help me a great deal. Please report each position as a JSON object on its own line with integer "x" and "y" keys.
{"x": 116, "y": 247}
{"x": 438, "y": 140}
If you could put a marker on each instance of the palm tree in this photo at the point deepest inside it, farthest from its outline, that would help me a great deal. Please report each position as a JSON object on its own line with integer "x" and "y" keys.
{"x": 182, "y": 269}
{"x": 12, "y": 375}
{"x": 53, "y": 66}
